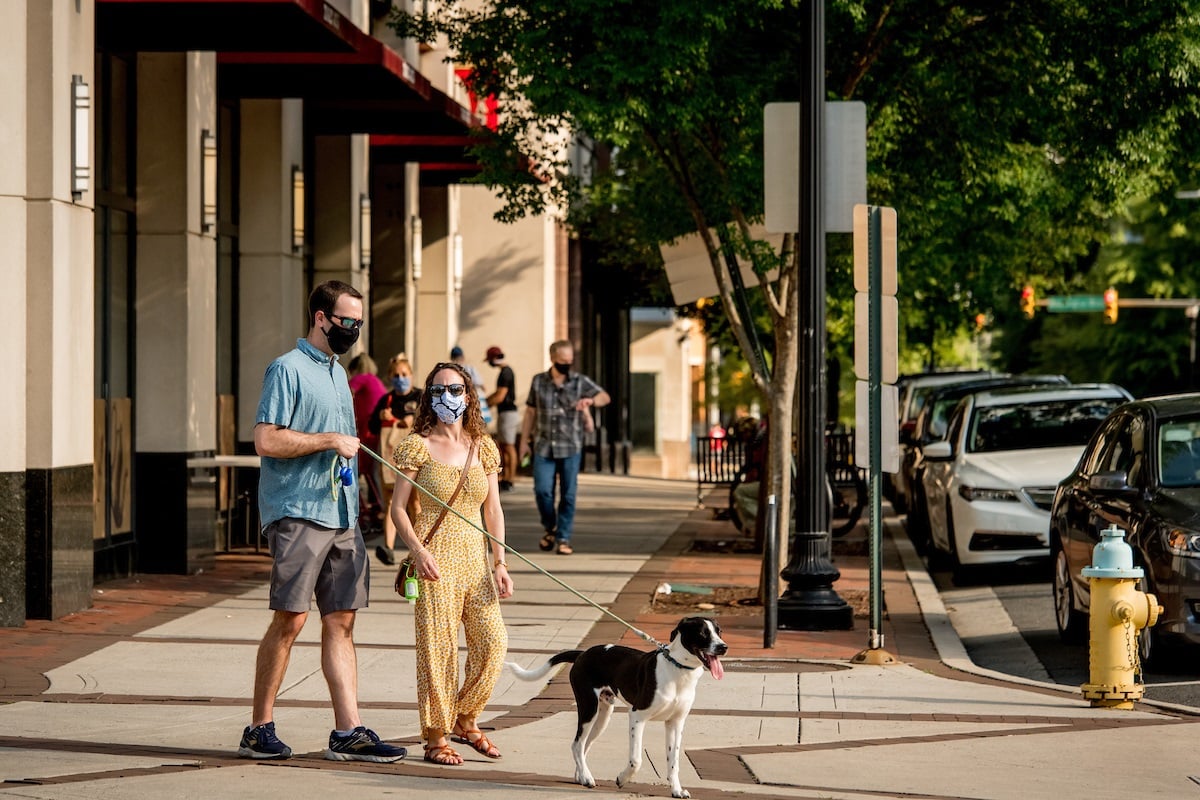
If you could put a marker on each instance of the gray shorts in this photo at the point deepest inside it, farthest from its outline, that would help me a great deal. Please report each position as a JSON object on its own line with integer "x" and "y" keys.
{"x": 510, "y": 423}
{"x": 308, "y": 558}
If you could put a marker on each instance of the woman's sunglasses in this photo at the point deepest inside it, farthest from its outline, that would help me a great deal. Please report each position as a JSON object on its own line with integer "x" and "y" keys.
{"x": 455, "y": 389}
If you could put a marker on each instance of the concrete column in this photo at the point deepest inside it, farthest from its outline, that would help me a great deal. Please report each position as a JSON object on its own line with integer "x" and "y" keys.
{"x": 48, "y": 262}
{"x": 339, "y": 180}
{"x": 272, "y": 296}
{"x": 435, "y": 302}
{"x": 393, "y": 206}
{"x": 14, "y": 139}
{"x": 175, "y": 306}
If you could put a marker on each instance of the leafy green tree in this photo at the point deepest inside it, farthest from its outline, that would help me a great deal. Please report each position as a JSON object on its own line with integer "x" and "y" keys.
{"x": 1007, "y": 134}
{"x": 668, "y": 97}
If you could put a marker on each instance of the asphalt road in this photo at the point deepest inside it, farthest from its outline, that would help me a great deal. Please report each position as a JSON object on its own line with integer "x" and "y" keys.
{"x": 1005, "y": 618}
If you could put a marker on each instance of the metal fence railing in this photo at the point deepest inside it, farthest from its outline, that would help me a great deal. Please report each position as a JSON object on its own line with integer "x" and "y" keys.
{"x": 717, "y": 462}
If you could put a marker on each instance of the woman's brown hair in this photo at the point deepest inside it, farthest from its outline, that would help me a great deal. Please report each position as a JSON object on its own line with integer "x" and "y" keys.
{"x": 472, "y": 418}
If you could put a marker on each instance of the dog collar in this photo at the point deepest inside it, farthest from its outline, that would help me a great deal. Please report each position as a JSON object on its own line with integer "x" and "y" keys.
{"x": 662, "y": 648}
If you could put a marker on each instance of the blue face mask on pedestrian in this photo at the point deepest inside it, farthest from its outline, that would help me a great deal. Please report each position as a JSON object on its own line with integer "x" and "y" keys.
{"x": 401, "y": 384}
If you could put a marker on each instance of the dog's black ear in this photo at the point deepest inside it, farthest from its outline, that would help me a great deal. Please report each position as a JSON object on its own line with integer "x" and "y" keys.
{"x": 675, "y": 632}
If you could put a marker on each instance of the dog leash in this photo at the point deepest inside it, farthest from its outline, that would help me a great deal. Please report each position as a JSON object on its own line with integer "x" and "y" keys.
{"x": 645, "y": 636}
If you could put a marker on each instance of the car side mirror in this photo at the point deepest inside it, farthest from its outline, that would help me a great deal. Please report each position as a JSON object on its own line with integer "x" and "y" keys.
{"x": 1115, "y": 482}
{"x": 938, "y": 451}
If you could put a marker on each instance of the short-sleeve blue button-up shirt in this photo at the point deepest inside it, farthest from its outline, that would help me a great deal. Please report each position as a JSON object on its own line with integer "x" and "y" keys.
{"x": 306, "y": 390}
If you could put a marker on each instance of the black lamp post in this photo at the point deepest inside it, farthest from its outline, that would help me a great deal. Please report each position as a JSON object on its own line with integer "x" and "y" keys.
{"x": 810, "y": 603}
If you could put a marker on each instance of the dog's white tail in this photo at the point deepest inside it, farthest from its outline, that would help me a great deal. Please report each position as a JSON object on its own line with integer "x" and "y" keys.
{"x": 565, "y": 657}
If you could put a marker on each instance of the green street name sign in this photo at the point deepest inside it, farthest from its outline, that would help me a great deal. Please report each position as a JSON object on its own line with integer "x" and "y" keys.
{"x": 1075, "y": 302}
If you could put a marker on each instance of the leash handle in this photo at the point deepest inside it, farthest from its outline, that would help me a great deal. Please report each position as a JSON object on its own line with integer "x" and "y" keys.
{"x": 645, "y": 636}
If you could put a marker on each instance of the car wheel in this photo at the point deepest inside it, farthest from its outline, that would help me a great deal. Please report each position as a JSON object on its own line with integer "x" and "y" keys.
{"x": 1072, "y": 623}
{"x": 944, "y": 559}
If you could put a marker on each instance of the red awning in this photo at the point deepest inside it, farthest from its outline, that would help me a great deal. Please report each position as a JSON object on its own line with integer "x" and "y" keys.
{"x": 350, "y": 81}
{"x": 223, "y": 25}
{"x": 371, "y": 91}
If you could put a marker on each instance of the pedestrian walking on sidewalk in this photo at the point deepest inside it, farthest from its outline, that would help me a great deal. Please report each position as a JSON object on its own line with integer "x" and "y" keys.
{"x": 451, "y": 455}
{"x": 392, "y": 421}
{"x": 553, "y": 431}
{"x": 308, "y": 498}
{"x": 508, "y": 422}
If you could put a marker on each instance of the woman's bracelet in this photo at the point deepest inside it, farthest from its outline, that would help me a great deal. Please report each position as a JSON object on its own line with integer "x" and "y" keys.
{"x": 498, "y": 565}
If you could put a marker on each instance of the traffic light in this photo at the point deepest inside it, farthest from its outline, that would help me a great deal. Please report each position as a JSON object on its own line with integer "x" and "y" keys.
{"x": 1111, "y": 306}
{"x": 1028, "y": 304}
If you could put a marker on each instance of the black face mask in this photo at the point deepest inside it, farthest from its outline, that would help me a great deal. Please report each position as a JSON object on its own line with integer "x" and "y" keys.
{"x": 340, "y": 340}
{"x": 563, "y": 369}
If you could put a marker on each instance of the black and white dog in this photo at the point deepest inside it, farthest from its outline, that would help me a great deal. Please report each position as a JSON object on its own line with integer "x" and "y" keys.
{"x": 659, "y": 685}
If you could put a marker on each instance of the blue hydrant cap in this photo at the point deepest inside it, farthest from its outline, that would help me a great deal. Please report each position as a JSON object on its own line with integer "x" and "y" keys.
{"x": 1113, "y": 557}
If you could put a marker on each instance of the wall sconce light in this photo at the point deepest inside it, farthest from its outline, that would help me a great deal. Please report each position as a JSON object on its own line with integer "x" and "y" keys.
{"x": 364, "y": 231}
{"x": 297, "y": 209}
{"x": 208, "y": 182}
{"x": 417, "y": 247}
{"x": 458, "y": 262}
{"x": 81, "y": 144}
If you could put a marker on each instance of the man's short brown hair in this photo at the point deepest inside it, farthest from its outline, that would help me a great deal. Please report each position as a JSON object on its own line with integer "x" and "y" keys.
{"x": 325, "y": 297}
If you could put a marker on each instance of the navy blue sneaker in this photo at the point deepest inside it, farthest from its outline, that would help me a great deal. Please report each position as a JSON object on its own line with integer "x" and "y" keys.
{"x": 362, "y": 744}
{"x": 261, "y": 742}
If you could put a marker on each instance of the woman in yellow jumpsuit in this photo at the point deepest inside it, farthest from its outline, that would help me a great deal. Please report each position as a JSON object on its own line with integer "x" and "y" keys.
{"x": 457, "y": 586}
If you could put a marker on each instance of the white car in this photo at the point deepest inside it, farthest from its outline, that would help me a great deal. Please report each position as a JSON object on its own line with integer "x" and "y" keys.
{"x": 990, "y": 483}
{"x": 912, "y": 392}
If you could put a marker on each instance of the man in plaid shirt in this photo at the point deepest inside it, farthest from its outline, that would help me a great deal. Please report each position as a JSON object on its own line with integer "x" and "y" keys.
{"x": 553, "y": 431}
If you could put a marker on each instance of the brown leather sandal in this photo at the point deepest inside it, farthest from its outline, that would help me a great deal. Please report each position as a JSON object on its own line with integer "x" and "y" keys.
{"x": 482, "y": 745}
{"x": 565, "y": 549}
{"x": 547, "y": 541}
{"x": 443, "y": 754}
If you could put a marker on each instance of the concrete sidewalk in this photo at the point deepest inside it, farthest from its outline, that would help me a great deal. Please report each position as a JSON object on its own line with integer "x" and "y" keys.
{"x": 145, "y": 694}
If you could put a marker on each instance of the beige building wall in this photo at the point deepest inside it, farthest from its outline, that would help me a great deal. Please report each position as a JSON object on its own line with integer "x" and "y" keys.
{"x": 668, "y": 352}
{"x": 507, "y": 298}
{"x": 15, "y": 95}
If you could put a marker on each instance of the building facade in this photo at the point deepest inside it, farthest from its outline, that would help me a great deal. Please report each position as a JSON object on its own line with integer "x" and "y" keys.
{"x": 181, "y": 174}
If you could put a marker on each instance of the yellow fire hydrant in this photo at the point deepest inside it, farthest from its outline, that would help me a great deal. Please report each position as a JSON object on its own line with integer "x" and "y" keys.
{"x": 1118, "y": 611}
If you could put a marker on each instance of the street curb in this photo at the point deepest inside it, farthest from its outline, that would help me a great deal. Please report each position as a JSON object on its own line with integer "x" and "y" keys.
{"x": 949, "y": 646}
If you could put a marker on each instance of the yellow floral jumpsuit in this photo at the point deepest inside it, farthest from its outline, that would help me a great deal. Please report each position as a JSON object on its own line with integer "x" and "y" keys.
{"x": 465, "y": 593}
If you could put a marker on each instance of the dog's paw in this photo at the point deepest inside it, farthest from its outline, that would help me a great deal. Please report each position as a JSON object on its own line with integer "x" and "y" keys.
{"x": 585, "y": 780}
{"x": 608, "y": 696}
{"x": 680, "y": 793}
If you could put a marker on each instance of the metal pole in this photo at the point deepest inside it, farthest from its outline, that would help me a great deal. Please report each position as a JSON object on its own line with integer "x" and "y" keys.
{"x": 1192, "y": 312}
{"x": 875, "y": 402}
{"x": 771, "y": 587}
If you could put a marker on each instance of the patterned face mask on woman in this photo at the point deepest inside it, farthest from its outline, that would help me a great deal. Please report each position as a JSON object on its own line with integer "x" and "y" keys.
{"x": 449, "y": 408}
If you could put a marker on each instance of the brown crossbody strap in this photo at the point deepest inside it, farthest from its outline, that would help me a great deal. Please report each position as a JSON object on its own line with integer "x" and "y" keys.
{"x": 446, "y": 508}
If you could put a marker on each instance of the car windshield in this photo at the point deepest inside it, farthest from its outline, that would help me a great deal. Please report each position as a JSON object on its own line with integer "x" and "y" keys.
{"x": 1045, "y": 423}
{"x": 1179, "y": 452}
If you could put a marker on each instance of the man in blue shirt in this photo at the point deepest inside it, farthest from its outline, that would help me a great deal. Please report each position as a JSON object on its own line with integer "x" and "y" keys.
{"x": 308, "y": 499}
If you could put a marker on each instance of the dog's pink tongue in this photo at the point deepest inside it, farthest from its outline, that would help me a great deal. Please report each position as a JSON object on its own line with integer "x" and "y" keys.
{"x": 714, "y": 666}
